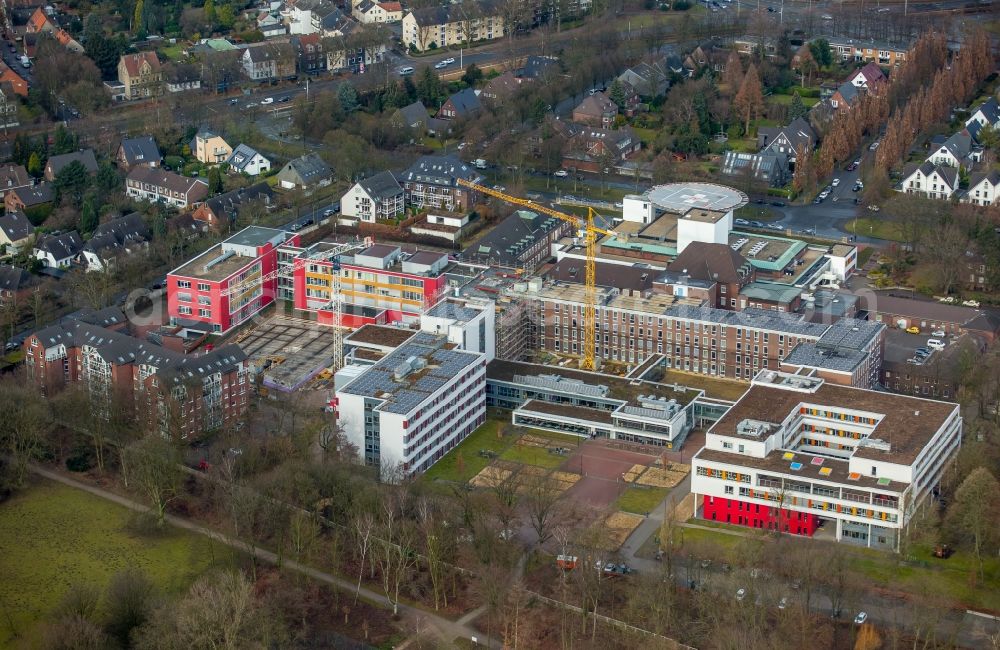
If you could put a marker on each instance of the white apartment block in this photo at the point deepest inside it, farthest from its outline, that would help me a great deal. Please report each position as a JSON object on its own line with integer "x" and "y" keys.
{"x": 414, "y": 405}
{"x": 984, "y": 189}
{"x": 930, "y": 181}
{"x": 807, "y": 457}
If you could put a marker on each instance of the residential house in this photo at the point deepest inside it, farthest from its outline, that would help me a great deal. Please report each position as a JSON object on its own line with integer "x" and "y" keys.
{"x": 222, "y": 211}
{"x": 456, "y": 24}
{"x": 868, "y": 76}
{"x": 463, "y": 104}
{"x": 368, "y": 12}
{"x": 414, "y": 116}
{"x": 695, "y": 61}
{"x": 56, "y": 164}
{"x": 956, "y": 151}
{"x": 13, "y": 176}
{"x": 119, "y": 236}
{"x": 210, "y": 148}
{"x": 590, "y": 150}
{"x": 157, "y": 185}
{"x": 181, "y": 77}
{"x": 42, "y": 23}
{"x": 271, "y": 26}
{"x": 314, "y": 17}
{"x": 58, "y": 251}
{"x": 930, "y": 180}
{"x": 377, "y": 197}
{"x": 786, "y": 140}
{"x": 16, "y": 81}
{"x": 648, "y": 79}
{"x": 844, "y": 96}
{"x": 884, "y": 54}
{"x": 596, "y": 110}
{"x": 14, "y": 284}
{"x": 307, "y": 171}
{"x": 141, "y": 74}
{"x": 768, "y": 168}
{"x": 269, "y": 61}
{"x": 309, "y": 53}
{"x": 26, "y": 198}
{"x": 8, "y": 107}
{"x": 246, "y": 160}
{"x": 984, "y": 189}
{"x": 133, "y": 152}
{"x": 354, "y": 59}
{"x": 500, "y": 88}
{"x": 15, "y": 230}
{"x": 986, "y": 114}
{"x": 521, "y": 241}
{"x": 432, "y": 182}
{"x": 537, "y": 67}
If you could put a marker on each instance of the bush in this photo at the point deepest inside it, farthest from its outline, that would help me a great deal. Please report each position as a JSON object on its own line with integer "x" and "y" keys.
{"x": 81, "y": 461}
{"x": 682, "y": 5}
{"x": 173, "y": 162}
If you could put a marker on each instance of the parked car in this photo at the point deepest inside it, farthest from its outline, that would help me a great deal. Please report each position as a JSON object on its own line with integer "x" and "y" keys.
{"x": 873, "y": 146}
{"x": 858, "y": 186}
{"x": 282, "y": 100}
{"x": 741, "y": 222}
{"x": 560, "y": 173}
{"x": 406, "y": 70}
{"x": 449, "y": 60}
{"x": 835, "y": 182}
{"x": 935, "y": 344}
{"x": 741, "y": 594}
{"x": 267, "y": 100}
{"x": 939, "y": 334}
{"x": 783, "y": 603}
{"x": 913, "y": 329}
{"x": 861, "y": 618}
{"x": 439, "y": 65}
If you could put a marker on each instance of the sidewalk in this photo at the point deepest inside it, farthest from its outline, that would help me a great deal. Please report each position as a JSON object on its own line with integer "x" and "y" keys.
{"x": 447, "y": 630}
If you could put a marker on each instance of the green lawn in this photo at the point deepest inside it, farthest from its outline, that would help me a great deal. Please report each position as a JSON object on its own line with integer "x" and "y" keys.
{"x": 55, "y": 536}
{"x": 787, "y": 99}
{"x": 640, "y": 500}
{"x": 448, "y": 468}
{"x": 864, "y": 255}
{"x": 539, "y": 456}
{"x": 173, "y": 52}
{"x": 878, "y": 228}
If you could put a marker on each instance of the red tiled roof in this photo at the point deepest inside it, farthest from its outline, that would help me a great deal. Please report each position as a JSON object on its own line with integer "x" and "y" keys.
{"x": 391, "y": 6}
{"x": 39, "y": 21}
{"x": 133, "y": 62}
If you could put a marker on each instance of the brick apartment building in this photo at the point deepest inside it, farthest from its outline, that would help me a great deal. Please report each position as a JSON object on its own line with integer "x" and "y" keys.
{"x": 228, "y": 283}
{"x": 176, "y": 394}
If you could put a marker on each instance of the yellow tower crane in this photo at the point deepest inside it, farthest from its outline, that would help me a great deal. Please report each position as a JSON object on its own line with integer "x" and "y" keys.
{"x": 590, "y": 232}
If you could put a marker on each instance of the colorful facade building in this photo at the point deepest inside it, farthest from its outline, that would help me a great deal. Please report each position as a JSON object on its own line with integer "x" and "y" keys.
{"x": 229, "y": 283}
{"x": 803, "y": 456}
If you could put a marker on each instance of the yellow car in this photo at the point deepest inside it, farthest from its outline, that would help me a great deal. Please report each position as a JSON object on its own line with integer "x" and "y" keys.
{"x": 913, "y": 330}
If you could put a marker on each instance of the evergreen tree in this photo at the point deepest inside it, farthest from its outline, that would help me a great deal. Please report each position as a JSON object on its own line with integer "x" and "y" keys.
{"x": 821, "y": 52}
{"x": 429, "y": 89}
{"x": 215, "y": 185}
{"x": 348, "y": 97}
{"x": 71, "y": 181}
{"x": 21, "y": 150}
{"x": 210, "y": 14}
{"x": 473, "y": 74}
{"x": 796, "y": 108}
{"x": 410, "y": 90}
{"x": 617, "y": 94}
{"x": 65, "y": 141}
{"x": 88, "y": 216}
{"x": 35, "y": 167}
{"x": 139, "y": 17}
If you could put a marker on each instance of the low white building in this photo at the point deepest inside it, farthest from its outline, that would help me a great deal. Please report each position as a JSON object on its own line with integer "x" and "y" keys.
{"x": 58, "y": 251}
{"x": 930, "y": 181}
{"x": 984, "y": 189}
{"x": 376, "y": 197}
{"x": 796, "y": 452}
{"x": 414, "y": 405}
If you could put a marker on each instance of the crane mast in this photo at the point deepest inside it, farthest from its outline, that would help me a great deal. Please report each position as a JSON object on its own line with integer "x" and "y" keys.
{"x": 590, "y": 271}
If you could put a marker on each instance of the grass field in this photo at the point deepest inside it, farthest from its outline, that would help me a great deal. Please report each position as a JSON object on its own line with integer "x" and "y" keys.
{"x": 55, "y": 536}
{"x": 878, "y": 228}
{"x": 450, "y": 468}
{"x": 640, "y": 500}
{"x": 728, "y": 389}
{"x": 787, "y": 99}
{"x": 538, "y": 456}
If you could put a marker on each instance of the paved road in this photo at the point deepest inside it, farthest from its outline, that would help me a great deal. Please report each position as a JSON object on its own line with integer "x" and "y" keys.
{"x": 445, "y": 629}
{"x": 969, "y": 629}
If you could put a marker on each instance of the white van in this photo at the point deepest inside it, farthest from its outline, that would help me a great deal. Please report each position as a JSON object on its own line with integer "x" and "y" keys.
{"x": 406, "y": 71}
{"x": 935, "y": 344}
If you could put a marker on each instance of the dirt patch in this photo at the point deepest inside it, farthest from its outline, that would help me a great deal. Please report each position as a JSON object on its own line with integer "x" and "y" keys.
{"x": 666, "y": 477}
{"x": 619, "y": 526}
